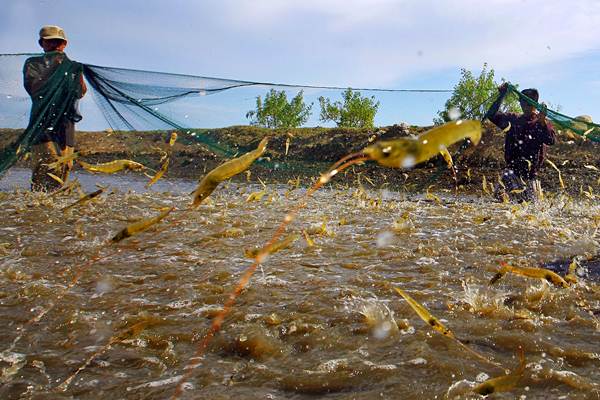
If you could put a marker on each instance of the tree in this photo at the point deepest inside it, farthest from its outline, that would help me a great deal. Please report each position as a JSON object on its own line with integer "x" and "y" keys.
{"x": 355, "y": 112}
{"x": 277, "y": 112}
{"x": 472, "y": 96}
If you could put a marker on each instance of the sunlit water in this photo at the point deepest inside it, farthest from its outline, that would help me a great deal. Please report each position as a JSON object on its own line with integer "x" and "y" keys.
{"x": 318, "y": 320}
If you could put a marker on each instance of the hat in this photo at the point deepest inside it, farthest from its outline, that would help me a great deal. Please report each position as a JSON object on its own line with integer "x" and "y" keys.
{"x": 531, "y": 93}
{"x": 52, "y": 32}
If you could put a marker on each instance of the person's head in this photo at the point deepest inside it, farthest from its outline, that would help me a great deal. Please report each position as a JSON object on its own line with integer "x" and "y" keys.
{"x": 533, "y": 95}
{"x": 52, "y": 38}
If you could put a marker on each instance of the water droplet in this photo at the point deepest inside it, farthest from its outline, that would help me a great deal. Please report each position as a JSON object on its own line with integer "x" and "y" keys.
{"x": 384, "y": 239}
{"x": 408, "y": 162}
{"x": 103, "y": 286}
{"x": 383, "y": 330}
{"x": 482, "y": 377}
{"x": 454, "y": 113}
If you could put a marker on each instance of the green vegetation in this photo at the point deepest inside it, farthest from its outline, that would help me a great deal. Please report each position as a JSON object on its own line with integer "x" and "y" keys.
{"x": 472, "y": 96}
{"x": 277, "y": 112}
{"x": 355, "y": 112}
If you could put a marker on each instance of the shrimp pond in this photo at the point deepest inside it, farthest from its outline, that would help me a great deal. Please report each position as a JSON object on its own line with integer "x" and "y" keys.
{"x": 83, "y": 318}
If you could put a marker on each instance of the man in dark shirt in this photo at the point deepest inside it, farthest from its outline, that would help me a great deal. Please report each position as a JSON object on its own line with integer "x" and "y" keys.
{"x": 524, "y": 146}
{"x": 57, "y": 140}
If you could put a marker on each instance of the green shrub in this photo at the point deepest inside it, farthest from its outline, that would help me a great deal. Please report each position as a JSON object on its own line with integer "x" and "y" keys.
{"x": 277, "y": 112}
{"x": 355, "y": 111}
{"x": 472, "y": 97}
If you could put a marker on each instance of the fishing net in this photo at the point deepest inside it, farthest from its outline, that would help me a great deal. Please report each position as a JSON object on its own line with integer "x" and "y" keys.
{"x": 135, "y": 100}
{"x": 578, "y": 125}
{"x": 128, "y": 100}
{"x": 53, "y": 103}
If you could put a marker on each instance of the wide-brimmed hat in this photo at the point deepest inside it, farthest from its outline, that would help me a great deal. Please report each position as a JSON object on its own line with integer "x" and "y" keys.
{"x": 52, "y": 32}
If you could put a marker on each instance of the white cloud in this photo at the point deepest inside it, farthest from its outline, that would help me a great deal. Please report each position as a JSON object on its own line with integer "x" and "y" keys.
{"x": 382, "y": 41}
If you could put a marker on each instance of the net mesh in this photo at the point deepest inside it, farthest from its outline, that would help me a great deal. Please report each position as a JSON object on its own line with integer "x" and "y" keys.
{"x": 53, "y": 104}
{"x": 135, "y": 100}
{"x": 577, "y": 125}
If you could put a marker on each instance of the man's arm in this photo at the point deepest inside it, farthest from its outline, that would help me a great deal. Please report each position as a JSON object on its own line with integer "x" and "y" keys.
{"x": 492, "y": 114}
{"x": 82, "y": 85}
{"x": 548, "y": 135}
{"x": 27, "y": 78}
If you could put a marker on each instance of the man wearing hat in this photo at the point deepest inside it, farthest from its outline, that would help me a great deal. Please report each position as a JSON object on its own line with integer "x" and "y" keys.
{"x": 55, "y": 84}
{"x": 524, "y": 145}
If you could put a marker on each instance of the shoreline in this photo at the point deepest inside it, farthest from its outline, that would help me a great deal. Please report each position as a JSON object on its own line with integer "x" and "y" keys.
{"x": 311, "y": 151}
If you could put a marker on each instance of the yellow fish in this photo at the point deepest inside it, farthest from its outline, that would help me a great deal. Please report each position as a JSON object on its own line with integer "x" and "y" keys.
{"x": 172, "y": 139}
{"x": 84, "y": 199}
{"x": 56, "y": 178}
{"x": 112, "y": 166}
{"x": 225, "y": 171}
{"x": 407, "y": 152}
{"x": 502, "y": 383}
{"x": 562, "y": 184}
{"x": 140, "y": 226}
{"x": 159, "y": 173}
{"x": 309, "y": 241}
{"x": 484, "y": 185}
{"x": 287, "y": 145}
{"x": 425, "y": 315}
{"x": 448, "y": 157}
{"x": 61, "y": 160}
{"x": 539, "y": 273}
{"x": 274, "y": 248}
{"x": 571, "y": 276}
{"x": 256, "y": 196}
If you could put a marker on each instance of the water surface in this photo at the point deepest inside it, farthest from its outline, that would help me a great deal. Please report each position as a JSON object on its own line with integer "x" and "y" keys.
{"x": 318, "y": 320}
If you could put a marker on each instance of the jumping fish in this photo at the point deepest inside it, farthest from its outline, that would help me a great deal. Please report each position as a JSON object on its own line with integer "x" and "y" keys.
{"x": 275, "y": 247}
{"x": 172, "y": 139}
{"x": 447, "y": 157}
{"x": 571, "y": 276}
{"x": 539, "y": 273}
{"x": 256, "y": 196}
{"x": 502, "y": 383}
{"x": 225, "y": 171}
{"x": 112, "y": 166}
{"x": 140, "y": 226}
{"x": 425, "y": 315}
{"x": 406, "y": 152}
{"x": 560, "y": 179}
{"x": 159, "y": 173}
{"x": 56, "y": 178}
{"x": 84, "y": 199}
{"x": 62, "y": 160}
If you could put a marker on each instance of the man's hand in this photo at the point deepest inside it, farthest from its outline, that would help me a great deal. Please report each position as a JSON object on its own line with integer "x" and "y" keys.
{"x": 542, "y": 114}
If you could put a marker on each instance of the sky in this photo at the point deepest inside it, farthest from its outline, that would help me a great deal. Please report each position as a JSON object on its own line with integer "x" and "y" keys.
{"x": 404, "y": 44}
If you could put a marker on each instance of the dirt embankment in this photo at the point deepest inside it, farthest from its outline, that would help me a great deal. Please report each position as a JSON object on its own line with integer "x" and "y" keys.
{"x": 311, "y": 150}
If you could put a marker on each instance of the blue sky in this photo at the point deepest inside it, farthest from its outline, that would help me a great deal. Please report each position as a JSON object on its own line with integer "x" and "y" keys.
{"x": 551, "y": 45}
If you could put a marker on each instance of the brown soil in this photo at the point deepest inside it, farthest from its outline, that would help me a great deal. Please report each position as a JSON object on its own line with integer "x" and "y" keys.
{"x": 311, "y": 150}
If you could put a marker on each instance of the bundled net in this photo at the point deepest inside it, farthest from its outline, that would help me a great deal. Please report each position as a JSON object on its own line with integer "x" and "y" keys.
{"x": 578, "y": 125}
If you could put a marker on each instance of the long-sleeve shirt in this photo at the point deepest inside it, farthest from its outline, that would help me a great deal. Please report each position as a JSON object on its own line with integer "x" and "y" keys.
{"x": 525, "y": 142}
{"x": 36, "y": 72}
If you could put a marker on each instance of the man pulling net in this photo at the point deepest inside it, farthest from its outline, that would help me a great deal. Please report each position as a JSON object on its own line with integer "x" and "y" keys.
{"x": 55, "y": 85}
{"x": 524, "y": 146}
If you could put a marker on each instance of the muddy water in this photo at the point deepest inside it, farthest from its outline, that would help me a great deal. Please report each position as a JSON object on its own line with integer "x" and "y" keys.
{"x": 318, "y": 320}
